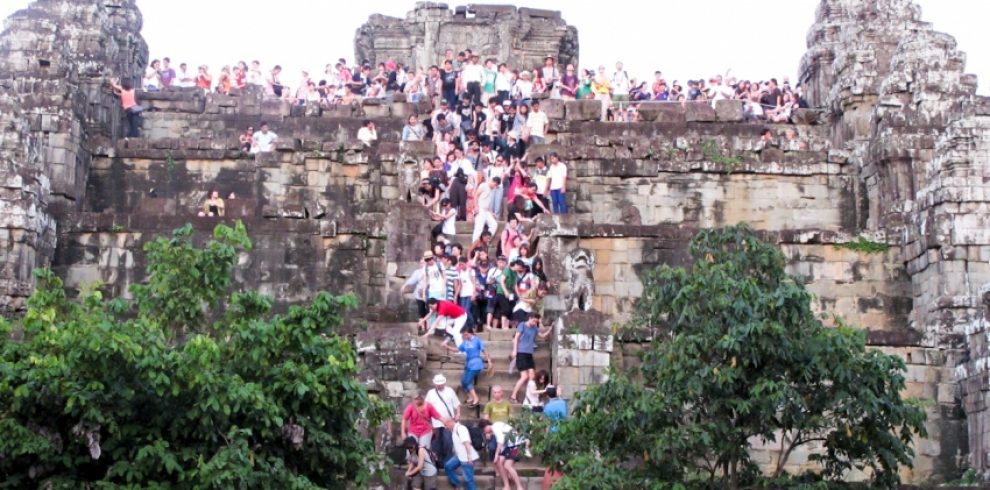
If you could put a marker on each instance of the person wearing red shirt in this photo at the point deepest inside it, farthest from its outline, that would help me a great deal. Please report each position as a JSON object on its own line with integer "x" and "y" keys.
{"x": 416, "y": 420}
{"x": 453, "y": 316}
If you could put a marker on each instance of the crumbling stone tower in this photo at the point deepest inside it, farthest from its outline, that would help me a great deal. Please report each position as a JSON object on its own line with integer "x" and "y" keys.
{"x": 521, "y": 37}
{"x": 55, "y": 58}
{"x": 905, "y": 113}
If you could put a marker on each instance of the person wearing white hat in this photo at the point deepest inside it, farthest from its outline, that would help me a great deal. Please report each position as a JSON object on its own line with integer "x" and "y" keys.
{"x": 444, "y": 400}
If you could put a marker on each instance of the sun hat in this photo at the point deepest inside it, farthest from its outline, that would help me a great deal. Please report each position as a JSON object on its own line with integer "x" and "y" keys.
{"x": 439, "y": 379}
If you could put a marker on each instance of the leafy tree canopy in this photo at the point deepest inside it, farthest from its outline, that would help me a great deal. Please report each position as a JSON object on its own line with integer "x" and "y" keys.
{"x": 185, "y": 386}
{"x": 736, "y": 356}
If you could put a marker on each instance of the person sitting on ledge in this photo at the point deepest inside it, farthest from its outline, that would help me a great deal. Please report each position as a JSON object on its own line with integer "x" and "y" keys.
{"x": 263, "y": 140}
{"x": 367, "y": 134}
{"x": 246, "y": 138}
{"x": 213, "y": 207}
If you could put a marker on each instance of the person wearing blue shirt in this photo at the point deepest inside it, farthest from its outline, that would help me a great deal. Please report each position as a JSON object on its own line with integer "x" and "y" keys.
{"x": 477, "y": 356}
{"x": 556, "y": 409}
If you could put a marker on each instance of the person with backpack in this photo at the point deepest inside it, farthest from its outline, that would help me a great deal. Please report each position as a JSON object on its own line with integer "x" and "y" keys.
{"x": 465, "y": 455}
{"x": 421, "y": 472}
{"x": 505, "y": 448}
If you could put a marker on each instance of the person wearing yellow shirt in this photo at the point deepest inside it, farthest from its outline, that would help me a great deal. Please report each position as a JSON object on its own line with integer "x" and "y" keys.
{"x": 498, "y": 409}
{"x": 601, "y": 86}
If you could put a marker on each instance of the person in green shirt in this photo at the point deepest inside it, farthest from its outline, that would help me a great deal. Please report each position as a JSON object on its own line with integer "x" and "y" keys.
{"x": 584, "y": 89}
{"x": 498, "y": 409}
{"x": 505, "y": 290}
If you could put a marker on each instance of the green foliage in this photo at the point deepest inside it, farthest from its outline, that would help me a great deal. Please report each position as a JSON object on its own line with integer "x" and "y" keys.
{"x": 737, "y": 355}
{"x": 968, "y": 479}
{"x": 188, "y": 386}
{"x": 711, "y": 151}
{"x": 861, "y": 244}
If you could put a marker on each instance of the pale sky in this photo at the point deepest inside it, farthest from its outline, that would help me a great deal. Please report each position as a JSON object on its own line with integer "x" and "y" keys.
{"x": 684, "y": 39}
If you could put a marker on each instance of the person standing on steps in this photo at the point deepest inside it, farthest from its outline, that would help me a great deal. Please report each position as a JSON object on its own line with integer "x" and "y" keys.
{"x": 558, "y": 184}
{"x": 523, "y": 346}
{"x": 485, "y": 220}
{"x": 417, "y": 418}
{"x": 498, "y": 409}
{"x": 450, "y": 314}
{"x": 464, "y": 456}
{"x": 444, "y": 401}
{"x": 474, "y": 349}
{"x": 446, "y": 217}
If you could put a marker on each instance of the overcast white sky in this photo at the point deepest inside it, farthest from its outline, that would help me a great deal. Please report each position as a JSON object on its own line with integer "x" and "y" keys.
{"x": 684, "y": 38}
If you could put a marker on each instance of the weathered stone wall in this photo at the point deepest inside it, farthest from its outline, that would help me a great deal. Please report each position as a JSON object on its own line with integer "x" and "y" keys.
{"x": 521, "y": 37}
{"x": 55, "y": 59}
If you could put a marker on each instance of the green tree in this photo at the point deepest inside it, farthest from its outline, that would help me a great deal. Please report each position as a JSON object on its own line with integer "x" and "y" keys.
{"x": 185, "y": 386}
{"x": 736, "y": 355}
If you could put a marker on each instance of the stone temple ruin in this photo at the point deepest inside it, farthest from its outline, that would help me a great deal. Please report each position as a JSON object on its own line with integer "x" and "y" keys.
{"x": 896, "y": 150}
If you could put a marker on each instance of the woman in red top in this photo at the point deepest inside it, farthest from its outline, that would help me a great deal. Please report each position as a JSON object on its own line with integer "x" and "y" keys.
{"x": 453, "y": 316}
{"x": 416, "y": 420}
{"x": 204, "y": 80}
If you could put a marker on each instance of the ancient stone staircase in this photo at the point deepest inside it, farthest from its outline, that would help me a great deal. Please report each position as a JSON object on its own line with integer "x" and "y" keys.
{"x": 451, "y": 365}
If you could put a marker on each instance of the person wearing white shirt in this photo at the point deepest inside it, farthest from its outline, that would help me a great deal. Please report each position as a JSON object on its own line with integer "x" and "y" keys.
{"x": 185, "y": 78}
{"x": 263, "y": 140}
{"x": 620, "y": 86}
{"x": 465, "y": 455}
{"x": 472, "y": 75}
{"x": 506, "y": 452}
{"x": 483, "y": 201}
{"x": 523, "y": 89}
{"x": 558, "y": 184}
{"x": 503, "y": 83}
{"x": 152, "y": 82}
{"x": 367, "y": 134}
{"x": 254, "y": 76}
{"x": 444, "y": 401}
{"x": 537, "y": 124}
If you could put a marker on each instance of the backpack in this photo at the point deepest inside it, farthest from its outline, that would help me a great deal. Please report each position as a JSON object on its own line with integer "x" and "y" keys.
{"x": 477, "y": 438}
{"x": 442, "y": 448}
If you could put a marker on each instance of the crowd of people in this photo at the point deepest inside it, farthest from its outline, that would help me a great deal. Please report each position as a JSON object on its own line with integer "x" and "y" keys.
{"x": 465, "y": 75}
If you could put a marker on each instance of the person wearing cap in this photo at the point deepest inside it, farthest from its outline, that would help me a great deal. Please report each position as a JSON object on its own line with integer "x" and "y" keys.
{"x": 417, "y": 283}
{"x": 449, "y": 314}
{"x": 421, "y": 470}
{"x": 444, "y": 400}
{"x": 417, "y": 418}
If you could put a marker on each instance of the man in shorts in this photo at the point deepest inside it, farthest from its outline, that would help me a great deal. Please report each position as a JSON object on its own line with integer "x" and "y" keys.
{"x": 523, "y": 346}
{"x": 476, "y": 358}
